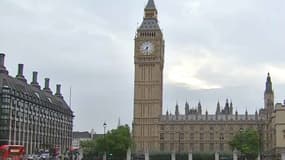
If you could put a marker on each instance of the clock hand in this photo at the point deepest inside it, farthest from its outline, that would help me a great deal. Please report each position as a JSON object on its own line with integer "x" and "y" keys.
{"x": 145, "y": 49}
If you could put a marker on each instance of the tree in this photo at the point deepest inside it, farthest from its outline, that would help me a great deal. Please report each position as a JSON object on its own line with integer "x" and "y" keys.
{"x": 115, "y": 143}
{"x": 247, "y": 142}
{"x": 89, "y": 149}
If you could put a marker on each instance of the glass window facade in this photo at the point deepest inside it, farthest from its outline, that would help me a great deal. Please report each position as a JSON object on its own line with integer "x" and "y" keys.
{"x": 33, "y": 121}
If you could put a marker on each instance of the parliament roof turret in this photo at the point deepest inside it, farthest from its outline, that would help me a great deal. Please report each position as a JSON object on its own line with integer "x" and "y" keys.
{"x": 268, "y": 86}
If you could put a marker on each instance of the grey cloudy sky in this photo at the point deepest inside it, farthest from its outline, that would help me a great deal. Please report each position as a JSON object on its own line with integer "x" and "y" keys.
{"x": 215, "y": 49}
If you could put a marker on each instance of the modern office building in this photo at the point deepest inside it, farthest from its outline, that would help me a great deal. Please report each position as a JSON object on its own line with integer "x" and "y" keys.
{"x": 191, "y": 131}
{"x": 30, "y": 115}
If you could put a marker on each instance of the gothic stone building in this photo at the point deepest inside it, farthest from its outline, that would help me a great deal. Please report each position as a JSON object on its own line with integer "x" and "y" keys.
{"x": 193, "y": 131}
{"x": 30, "y": 116}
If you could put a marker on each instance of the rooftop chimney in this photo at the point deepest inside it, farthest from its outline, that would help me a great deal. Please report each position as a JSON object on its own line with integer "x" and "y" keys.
{"x": 20, "y": 74}
{"x": 47, "y": 89}
{"x": 2, "y": 66}
{"x": 35, "y": 80}
{"x": 58, "y": 92}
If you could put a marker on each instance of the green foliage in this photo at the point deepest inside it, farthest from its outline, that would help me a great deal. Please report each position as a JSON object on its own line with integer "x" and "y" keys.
{"x": 247, "y": 142}
{"x": 115, "y": 143}
{"x": 89, "y": 149}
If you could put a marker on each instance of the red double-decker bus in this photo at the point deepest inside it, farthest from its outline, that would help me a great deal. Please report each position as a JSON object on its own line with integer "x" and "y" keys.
{"x": 12, "y": 152}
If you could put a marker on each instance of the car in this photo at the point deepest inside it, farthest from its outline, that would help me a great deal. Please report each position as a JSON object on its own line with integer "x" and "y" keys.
{"x": 44, "y": 155}
{"x": 30, "y": 157}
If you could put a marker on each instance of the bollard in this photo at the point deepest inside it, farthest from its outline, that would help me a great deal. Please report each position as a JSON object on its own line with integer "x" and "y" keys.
{"x": 190, "y": 157}
{"x": 173, "y": 156}
{"x": 129, "y": 154}
{"x": 217, "y": 156}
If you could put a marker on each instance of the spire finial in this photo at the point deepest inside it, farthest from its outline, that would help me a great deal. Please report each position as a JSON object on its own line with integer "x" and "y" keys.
{"x": 176, "y": 109}
{"x": 268, "y": 85}
{"x": 150, "y": 5}
{"x": 268, "y": 77}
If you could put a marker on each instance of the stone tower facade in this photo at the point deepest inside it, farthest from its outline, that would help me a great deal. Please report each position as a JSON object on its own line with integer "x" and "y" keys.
{"x": 267, "y": 113}
{"x": 268, "y": 96}
{"x": 149, "y": 60}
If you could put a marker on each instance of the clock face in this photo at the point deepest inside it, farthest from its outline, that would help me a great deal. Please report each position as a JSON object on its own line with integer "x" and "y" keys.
{"x": 146, "y": 48}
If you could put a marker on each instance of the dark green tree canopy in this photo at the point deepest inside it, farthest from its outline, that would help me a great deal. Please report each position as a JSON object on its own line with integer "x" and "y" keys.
{"x": 116, "y": 143}
{"x": 247, "y": 142}
{"x": 89, "y": 149}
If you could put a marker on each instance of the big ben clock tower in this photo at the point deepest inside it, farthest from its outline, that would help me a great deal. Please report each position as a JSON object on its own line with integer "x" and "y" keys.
{"x": 148, "y": 86}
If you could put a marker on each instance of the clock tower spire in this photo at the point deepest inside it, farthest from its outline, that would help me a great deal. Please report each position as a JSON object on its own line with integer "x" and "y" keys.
{"x": 150, "y": 10}
{"x": 150, "y": 20}
{"x": 148, "y": 85}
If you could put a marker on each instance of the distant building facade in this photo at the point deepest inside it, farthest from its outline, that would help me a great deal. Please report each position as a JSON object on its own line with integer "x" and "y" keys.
{"x": 78, "y": 137}
{"x": 193, "y": 131}
{"x": 31, "y": 116}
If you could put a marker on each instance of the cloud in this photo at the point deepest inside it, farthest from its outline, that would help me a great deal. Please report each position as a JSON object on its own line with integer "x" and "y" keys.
{"x": 276, "y": 72}
{"x": 201, "y": 68}
{"x": 186, "y": 70}
{"x": 215, "y": 49}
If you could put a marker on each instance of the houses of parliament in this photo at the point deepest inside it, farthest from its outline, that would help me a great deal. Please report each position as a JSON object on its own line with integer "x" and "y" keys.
{"x": 193, "y": 130}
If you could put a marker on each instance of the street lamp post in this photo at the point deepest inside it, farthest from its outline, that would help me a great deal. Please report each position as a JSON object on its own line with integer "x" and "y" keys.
{"x": 260, "y": 148}
{"x": 104, "y": 125}
{"x": 104, "y": 156}
{"x": 221, "y": 143}
{"x": 241, "y": 130}
{"x": 179, "y": 142}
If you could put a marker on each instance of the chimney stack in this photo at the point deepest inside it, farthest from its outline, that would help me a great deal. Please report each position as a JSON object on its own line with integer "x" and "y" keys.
{"x": 2, "y": 64}
{"x": 47, "y": 89}
{"x": 20, "y": 74}
{"x": 58, "y": 91}
{"x": 35, "y": 80}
